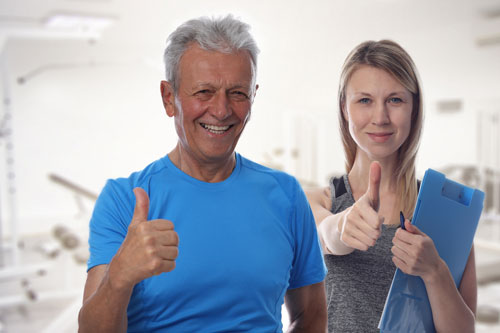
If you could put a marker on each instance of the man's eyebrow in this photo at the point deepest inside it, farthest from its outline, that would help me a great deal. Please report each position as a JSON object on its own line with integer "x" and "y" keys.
{"x": 239, "y": 86}
{"x": 198, "y": 85}
{"x": 201, "y": 84}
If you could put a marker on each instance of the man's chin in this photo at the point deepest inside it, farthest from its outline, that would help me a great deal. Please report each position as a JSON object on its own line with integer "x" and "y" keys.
{"x": 218, "y": 156}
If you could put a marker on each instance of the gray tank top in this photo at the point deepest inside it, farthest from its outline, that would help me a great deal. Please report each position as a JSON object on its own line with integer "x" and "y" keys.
{"x": 357, "y": 284}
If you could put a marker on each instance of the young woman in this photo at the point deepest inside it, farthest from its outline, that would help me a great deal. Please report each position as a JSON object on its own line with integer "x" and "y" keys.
{"x": 357, "y": 215}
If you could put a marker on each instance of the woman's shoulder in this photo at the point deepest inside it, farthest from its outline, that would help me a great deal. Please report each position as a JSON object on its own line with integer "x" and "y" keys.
{"x": 319, "y": 196}
{"x": 339, "y": 185}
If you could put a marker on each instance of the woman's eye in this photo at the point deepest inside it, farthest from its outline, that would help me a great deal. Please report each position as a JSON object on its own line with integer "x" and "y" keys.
{"x": 364, "y": 100}
{"x": 395, "y": 100}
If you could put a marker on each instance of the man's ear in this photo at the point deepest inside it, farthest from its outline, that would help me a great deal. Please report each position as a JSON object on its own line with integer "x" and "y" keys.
{"x": 168, "y": 97}
{"x": 255, "y": 91}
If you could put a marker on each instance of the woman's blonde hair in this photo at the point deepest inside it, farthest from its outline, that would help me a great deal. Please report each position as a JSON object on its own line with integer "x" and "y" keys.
{"x": 392, "y": 58}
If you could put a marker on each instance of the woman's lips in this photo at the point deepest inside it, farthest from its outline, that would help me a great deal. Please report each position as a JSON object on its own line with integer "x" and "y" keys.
{"x": 380, "y": 137}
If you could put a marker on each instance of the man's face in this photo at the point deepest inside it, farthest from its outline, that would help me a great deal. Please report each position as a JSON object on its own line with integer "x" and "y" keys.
{"x": 213, "y": 102}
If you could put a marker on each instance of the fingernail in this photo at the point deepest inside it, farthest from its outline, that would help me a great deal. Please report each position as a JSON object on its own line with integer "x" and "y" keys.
{"x": 402, "y": 220}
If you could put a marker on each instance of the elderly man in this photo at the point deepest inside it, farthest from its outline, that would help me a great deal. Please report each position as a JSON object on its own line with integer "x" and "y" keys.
{"x": 244, "y": 238}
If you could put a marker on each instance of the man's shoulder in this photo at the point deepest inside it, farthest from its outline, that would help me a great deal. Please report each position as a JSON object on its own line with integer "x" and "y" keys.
{"x": 257, "y": 167}
{"x": 140, "y": 178}
{"x": 287, "y": 182}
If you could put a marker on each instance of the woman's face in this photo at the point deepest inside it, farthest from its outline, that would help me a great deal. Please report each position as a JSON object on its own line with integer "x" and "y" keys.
{"x": 378, "y": 109}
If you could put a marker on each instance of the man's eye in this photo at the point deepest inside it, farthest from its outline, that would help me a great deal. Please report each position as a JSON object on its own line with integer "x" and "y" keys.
{"x": 204, "y": 91}
{"x": 239, "y": 94}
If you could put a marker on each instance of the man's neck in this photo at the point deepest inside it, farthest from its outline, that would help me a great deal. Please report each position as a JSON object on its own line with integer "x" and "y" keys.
{"x": 209, "y": 170}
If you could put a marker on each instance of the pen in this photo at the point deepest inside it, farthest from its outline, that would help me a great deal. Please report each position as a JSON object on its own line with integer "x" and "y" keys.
{"x": 402, "y": 220}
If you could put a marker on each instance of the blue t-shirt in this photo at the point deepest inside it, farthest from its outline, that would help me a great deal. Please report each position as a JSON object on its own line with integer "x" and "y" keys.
{"x": 243, "y": 243}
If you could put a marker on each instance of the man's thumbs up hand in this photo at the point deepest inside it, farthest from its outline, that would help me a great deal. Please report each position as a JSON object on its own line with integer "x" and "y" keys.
{"x": 150, "y": 247}
{"x": 141, "y": 206}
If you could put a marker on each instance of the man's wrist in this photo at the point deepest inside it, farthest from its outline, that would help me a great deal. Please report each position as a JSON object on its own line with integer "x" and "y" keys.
{"x": 115, "y": 278}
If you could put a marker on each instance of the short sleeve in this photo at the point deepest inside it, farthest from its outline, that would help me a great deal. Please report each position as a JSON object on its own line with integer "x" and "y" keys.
{"x": 308, "y": 266}
{"x": 109, "y": 222}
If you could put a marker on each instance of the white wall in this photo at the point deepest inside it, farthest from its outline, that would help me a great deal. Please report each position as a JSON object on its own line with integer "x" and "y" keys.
{"x": 93, "y": 122}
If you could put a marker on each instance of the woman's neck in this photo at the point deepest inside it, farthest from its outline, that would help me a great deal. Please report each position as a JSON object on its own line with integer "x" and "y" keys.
{"x": 359, "y": 174}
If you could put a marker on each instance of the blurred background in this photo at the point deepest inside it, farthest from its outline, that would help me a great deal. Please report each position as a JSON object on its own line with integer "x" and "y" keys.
{"x": 81, "y": 104}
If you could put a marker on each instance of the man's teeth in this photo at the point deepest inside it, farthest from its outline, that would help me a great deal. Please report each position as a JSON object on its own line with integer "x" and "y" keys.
{"x": 215, "y": 129}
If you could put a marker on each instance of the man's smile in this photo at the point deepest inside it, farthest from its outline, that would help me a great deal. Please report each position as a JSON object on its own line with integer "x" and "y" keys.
{"x": 216, "y": 129}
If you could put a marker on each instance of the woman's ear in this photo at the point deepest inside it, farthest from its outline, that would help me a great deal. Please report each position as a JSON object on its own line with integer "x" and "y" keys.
{"x": 344, "y": 111}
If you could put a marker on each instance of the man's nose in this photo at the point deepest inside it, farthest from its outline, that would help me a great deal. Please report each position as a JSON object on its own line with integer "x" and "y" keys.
{"x": 381, "y": 114}
{"x": 221, "y": 108}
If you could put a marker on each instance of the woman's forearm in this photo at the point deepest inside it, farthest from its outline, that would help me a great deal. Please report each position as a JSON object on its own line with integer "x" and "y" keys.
{"x": 449, "y": 310}
{"x": 328, "y": 224}
{"x": 330, "y": 230}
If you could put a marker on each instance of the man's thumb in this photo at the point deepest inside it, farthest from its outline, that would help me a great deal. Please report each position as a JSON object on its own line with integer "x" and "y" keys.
{"x": 141, "y": 206}
{"x": 374, "y": 184}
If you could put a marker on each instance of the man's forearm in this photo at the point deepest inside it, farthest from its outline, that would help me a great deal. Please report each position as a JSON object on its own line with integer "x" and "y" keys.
{"x": 315, "y": 325}
{"x": 106, "y": 309}
{"x": 307, "y": 309}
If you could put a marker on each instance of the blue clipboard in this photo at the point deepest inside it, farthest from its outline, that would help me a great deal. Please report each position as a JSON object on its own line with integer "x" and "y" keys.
{"x": 448, "y": 212}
